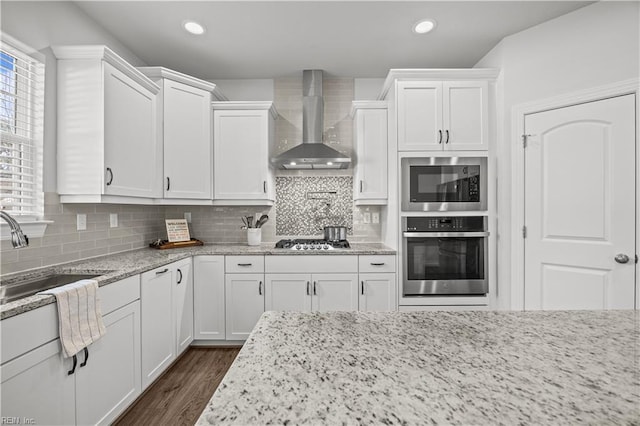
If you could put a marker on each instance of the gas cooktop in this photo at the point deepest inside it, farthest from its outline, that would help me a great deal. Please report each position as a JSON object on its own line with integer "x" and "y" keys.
{"x": 312, "y": 244}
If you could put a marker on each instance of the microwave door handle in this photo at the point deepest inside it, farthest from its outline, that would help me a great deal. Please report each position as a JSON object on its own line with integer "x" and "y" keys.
{"x": 443, "y": 234}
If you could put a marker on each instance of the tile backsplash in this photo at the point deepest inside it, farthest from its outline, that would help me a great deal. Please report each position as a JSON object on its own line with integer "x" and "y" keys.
{"x": 305, "y": 204}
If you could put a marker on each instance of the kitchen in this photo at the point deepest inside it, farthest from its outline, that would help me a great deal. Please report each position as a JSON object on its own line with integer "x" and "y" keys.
{"x": 555, "y": 57}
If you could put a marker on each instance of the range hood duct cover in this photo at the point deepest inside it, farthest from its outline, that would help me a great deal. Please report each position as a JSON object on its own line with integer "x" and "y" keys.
{"x": 312, "y": 153}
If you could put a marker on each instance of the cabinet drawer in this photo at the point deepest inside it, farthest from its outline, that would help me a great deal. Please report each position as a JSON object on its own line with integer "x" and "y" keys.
{"x": 243, "y": 264}
{"x": 115, "y": 295}
{"x": 377, "y": 263}
{"x": 29, "y": 330}
{"x": 301, "y": 264}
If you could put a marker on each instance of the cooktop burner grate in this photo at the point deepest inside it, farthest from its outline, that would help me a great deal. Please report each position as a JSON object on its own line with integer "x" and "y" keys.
{"x": 312, "y": 244}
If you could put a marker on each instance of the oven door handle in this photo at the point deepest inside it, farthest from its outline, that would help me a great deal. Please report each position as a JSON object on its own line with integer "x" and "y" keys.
{"x": 444, "y": 234}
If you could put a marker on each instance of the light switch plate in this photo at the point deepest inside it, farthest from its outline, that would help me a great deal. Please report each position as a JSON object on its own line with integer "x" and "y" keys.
{"x": 375, "y": 217}
{"x": 187, "y": 216}
{"x": 113, "y": 220}
{"x": 81, "y": 222}
{"x": 366, "y": 217}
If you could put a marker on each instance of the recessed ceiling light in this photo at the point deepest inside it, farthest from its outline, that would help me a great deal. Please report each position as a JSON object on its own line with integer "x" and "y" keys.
{"x": 193, "y": 27}
{"x": 293, "y": 163}
{"x": 424, "y": 26}
{"x": 329, "y": 163}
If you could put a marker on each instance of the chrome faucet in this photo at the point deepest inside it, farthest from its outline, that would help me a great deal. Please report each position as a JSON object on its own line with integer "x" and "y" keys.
{"x": 18, "y": 239}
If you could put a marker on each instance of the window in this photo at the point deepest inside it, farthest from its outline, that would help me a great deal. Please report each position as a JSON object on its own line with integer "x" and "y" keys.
{"x": 21, "y": 130}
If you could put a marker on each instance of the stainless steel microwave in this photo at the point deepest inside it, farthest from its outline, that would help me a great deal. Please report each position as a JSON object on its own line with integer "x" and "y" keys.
{"x": 444, "y": 184}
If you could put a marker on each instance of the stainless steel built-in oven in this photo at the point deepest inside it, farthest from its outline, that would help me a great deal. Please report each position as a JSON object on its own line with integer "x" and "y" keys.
{"x": 445, "y": 256}
{"x": 444, "y": 184}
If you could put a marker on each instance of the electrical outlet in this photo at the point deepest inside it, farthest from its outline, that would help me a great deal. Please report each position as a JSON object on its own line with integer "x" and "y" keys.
{"x": 366, "y": 217}
{"x": 113, "y": 220}
{"x": 187, "y": 216}
{"x": 375, "y": 217}
{"x": 81, "y": 222}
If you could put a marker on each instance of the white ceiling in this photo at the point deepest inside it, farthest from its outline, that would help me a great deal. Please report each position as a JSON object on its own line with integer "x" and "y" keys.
{"x": 270, "y": 39}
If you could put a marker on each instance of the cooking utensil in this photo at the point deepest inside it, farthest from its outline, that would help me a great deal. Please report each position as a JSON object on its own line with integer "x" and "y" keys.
{"x": 250, "y": 221}
{"x": 263, "y": 219}
{"x": 335, "y": 233}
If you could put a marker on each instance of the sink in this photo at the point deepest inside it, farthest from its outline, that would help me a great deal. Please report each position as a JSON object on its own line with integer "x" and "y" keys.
{"x": 25, "y": 288}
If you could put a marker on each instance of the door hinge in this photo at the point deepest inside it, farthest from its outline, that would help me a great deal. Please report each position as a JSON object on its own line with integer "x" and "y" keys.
{"x": 524, "y": 232}
{"x": 524, "y": 140}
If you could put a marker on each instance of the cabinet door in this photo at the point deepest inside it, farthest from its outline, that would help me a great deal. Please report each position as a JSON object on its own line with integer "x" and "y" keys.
{"x": 465, "y": 115}
{"x": 110, "y": 380}
{"x": 241, "y": 155}
{"x": 244, "y": 295}
{"x": 36, "y": 386}
{"x": 183, "y": 300}
{"x": 371, "y": 148}
{"x": 334, "y": 292}
{"x": 419, "y": 115}
{"x": 377, "y": 292}
{"x": 288, "y": 292}
{"x": 131, "y": 152}
{"x": 208, "y": 288}
{"x": 157, "y": 323}
{"x": 188, "y": 146}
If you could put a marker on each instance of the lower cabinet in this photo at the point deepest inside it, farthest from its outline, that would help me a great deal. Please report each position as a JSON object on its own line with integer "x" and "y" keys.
{"x": 183, "y": 301}
{"x": 37, "y": 387}
{"x": 311, "y": 292}
{"x": 208, "y": 298}
{"x": 244, "y": 295}
{"x": 377, "y": 292}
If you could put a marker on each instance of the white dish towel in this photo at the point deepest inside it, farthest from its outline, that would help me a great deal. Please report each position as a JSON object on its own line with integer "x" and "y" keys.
{"x": 79, "y": 315}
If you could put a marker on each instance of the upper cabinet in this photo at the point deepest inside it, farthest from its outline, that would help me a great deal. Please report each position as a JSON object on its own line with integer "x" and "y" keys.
{"x": 242, "y": 135}
{"x": 184, "y": 109}
{"x": 108, "y": 148}
{"x": 370, "y": 135}
{"x": 449, "y": 115}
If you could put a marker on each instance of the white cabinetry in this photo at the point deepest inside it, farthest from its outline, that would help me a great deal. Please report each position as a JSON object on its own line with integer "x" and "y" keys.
{"x": 377, "y": 277}
{"x": 244, "y": 294}
{"x": 208, "y": 283}
{"x": 185, "y": 111}
{"x": 36, "y": 383}
{"x": 449, "y": 115}
{"x": 242, "y": 135}
{"x": 370, "y": 171}
{"x": 167, "y": 316}
{"x": 107, "y": 143}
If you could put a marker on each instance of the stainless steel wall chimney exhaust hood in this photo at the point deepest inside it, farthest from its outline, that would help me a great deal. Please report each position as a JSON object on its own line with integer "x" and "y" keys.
{"x": 312, "y": 153}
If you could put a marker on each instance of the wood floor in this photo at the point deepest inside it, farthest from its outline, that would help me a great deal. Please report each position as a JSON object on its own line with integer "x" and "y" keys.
{"x": 180, "y": 395}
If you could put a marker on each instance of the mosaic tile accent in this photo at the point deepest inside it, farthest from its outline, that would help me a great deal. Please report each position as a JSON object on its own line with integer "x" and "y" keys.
{"x": 305, "y": 204}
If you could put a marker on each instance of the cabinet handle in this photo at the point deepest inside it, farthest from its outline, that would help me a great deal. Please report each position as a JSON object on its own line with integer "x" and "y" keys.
{"x": 362, "y": 287}
{"x": 447, "y": 136}
{"x": 180, "y": 279}
{"x": 75, "y": 362}
{"x": 165, "y": 270}
{"x": 244, "y": 264}
{"x": 360, "y": 186}
{"x": 439, "y": 136}
{"x": 315, "y": 293}
{"x": 260, "y": 288}
{"x": 264, "y": 186}
{"x": 377, "y": 264}
{"x": 168, "y": 183}
{"x": 308, "y": 294}
{"x": 86, "y": 357}
{"x": 110, "y": 176}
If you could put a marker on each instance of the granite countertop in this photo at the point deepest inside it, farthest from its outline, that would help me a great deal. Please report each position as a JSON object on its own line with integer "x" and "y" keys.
{"x": 578, "y": 367}
{"x": 118, "y": 266}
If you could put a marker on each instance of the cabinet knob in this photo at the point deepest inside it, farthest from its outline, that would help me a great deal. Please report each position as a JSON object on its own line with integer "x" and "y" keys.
{"x": 165, "y": 270}
{"x": 110, "y": 181}
{"x": 447, "y": 141}
{"x": 308, "y": 293}
{"x": 168, "y": 183}
{"x": 362, "y": 287}
{"x": 439, "y": 136}
{"x": 264, "y": 186}
{"x": 86, "y": 357}
{"x": 315, "y": 293}
{"x": 180, "y": 275}
{"x": 361, "y": 183}
{"x": 260, "y": 288}
{"x": 75, "y": 363}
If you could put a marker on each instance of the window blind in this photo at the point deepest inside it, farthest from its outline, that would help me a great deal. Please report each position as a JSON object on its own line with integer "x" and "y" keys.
{"x": 21, "y": 129}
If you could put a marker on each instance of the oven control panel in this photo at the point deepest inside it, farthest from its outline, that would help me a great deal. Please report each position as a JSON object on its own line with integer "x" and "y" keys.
{"x": 445, "y": 224}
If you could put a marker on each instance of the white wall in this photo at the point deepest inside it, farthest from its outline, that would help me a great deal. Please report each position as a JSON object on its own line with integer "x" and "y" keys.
{"x": 41, "y": 25}
{"x": 593, "y": 46}
{"x": 367, "y": 89}
{"x": 247, "y": 89}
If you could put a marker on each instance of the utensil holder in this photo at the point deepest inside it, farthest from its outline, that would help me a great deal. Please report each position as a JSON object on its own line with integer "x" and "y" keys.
{"x": 254, "y": 236}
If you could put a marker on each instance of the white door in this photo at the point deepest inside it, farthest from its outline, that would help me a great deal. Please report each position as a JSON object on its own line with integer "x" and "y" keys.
{"x": 244, "y": 295}
{"x": 183, "y": 300}
{"x": 580, "y": 206}
{"x": 419, "y": 115}
{"x": 188, "y": 146}
{"x": 157, "y": 323}
{"x": 334, "y": 292}
{"x": 110, "y": 380}
{"x": 288, "y": 292}
{"x": 208, "y": 300}
{"x": 377, "y": 292}
{"x": 465, "y": 115}
{"x": 370, "y": 181}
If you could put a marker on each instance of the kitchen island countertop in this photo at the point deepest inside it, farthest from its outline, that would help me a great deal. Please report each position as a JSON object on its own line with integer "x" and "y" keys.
{"x": 115, "y": 267}
{"x": 563, "y": 367}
